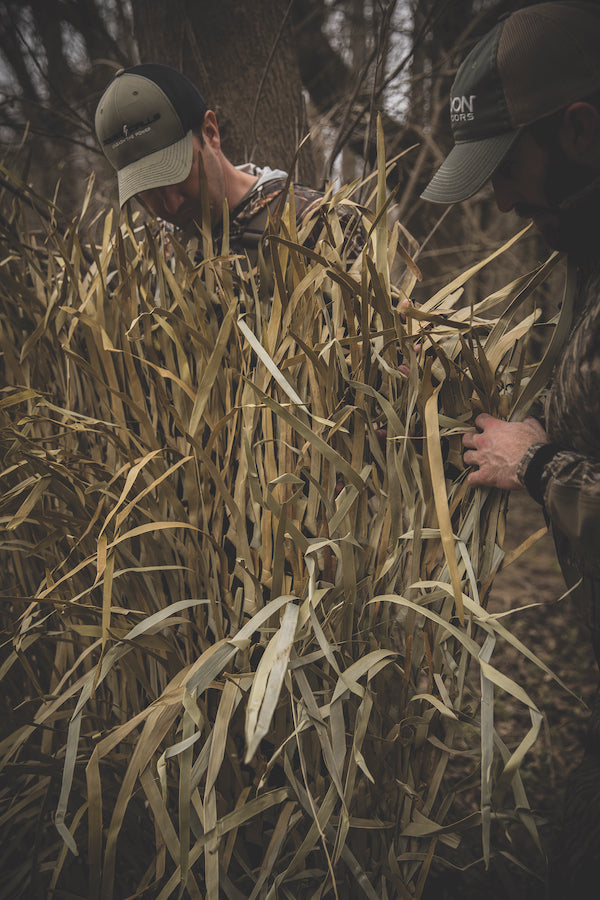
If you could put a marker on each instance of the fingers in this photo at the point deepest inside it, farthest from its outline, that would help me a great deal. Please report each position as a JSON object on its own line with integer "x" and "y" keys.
{"x": 496, "y": 450}
{"x": 470, "y": 457}
{"x": 477, "y": 439}
{"x": 484, "y": 419}
{"x": 470, "y": 439}
{"x": 475, "y": 479}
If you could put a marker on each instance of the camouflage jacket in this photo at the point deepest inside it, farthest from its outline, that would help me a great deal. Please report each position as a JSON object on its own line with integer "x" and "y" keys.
{"x": 250, "y": 219}
{"x": 565, "y": 474}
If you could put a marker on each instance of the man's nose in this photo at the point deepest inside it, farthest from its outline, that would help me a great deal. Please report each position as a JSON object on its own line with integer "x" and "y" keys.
{"x": 162, "y": 201}
{"x": 171, "y": 199}
{"x": 504, "y": 193}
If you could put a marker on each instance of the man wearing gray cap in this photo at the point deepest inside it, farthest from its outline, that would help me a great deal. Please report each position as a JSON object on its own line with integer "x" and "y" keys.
{"x": 525, "y": 113}
{"x": 156, "y": 130}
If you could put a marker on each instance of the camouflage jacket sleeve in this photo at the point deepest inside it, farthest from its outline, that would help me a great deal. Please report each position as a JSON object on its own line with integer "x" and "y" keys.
{"x": 568, "y": 485}
{"x": 564, "y": 475}
{"x": 250, "y": 220}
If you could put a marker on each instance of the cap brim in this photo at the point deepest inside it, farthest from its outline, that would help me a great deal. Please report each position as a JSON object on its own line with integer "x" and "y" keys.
{"x": 467, "y": 168}
{"x": 170, "y": 165}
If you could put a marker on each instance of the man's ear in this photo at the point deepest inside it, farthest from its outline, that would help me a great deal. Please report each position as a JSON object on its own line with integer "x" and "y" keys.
{"x": 210, "y": 130}
{"x": 580, "y": 133}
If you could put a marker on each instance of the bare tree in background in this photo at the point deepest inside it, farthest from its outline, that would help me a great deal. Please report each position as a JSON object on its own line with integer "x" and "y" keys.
{"x": 59, "y": 54}
{"x": 242, "y": 58}
{"x": 256, "y": 64}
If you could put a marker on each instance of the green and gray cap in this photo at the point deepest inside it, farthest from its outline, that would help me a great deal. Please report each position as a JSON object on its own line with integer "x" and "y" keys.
{"x": 533, "y": 63}
{"x": 144, "y": 123}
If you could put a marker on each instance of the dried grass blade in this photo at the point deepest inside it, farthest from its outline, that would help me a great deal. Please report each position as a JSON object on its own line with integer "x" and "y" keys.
{"x": 225, "y": 824}
{"x": 273, "y": 665}
{"x": 542, "y": 373}
{"x": 368, "y": 665}
{"x": 277, "y": 839}
{"x": 487, "y": 746}
{"x": 458, "y": 282}
{"x": 440, "y": 497}
{"x": 328, "y": 452}
{"x": 210, "y": 373}
{"x": 270, "y": 365}
{"x": 158, "y": 724}
{"x": 28, "y": 504}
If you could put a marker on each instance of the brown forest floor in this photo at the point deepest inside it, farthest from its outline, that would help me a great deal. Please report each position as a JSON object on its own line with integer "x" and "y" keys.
{"x": 555, "y": 632}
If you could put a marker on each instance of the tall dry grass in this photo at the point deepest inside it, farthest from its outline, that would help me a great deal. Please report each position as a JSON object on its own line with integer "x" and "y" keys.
{"x": 244, "y": 580}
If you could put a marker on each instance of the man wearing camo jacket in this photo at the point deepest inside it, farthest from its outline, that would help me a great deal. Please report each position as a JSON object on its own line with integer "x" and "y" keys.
{"x": 158, "y": 133}
{"x": 525, "y": 112}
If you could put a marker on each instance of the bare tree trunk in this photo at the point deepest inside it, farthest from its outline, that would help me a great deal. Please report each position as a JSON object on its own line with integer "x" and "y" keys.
{"x": 241, "y": 57}
{"x": 358, "y": 50}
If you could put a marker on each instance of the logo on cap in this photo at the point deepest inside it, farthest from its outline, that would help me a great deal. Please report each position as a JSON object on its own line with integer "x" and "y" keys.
{"x": 128, "y": 132}
{"x": 462, "y": 109}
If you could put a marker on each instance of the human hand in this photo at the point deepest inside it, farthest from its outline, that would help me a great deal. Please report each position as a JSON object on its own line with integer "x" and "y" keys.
{"x": 498, "y": 448}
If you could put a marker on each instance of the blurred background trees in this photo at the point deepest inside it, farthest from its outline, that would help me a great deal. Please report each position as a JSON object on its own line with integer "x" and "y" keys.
{"x": 274, "y": 71}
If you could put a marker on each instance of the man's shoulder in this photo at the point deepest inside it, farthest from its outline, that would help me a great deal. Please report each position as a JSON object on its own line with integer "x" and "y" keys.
{"x": 266, "y": 202}
{"x": 267, "y": 199}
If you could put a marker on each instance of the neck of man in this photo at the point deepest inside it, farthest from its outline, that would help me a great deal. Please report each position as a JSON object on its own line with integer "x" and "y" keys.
{"x": 237, "y": 183}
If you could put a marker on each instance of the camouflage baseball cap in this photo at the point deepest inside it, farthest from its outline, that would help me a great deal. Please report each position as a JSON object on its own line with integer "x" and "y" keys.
{"x": 144, "y": 123}
{"x": 531, "y": 64}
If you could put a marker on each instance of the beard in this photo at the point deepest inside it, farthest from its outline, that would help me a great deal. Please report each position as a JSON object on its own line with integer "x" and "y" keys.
{"x": 574, "y": 195}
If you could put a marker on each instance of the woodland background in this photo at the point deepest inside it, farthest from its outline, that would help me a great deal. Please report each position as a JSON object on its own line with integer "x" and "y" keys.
{"x": 275, "y": 72}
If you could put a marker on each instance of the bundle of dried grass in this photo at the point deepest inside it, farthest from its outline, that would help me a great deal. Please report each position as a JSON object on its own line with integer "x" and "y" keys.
{"x": 245, "y": 580}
